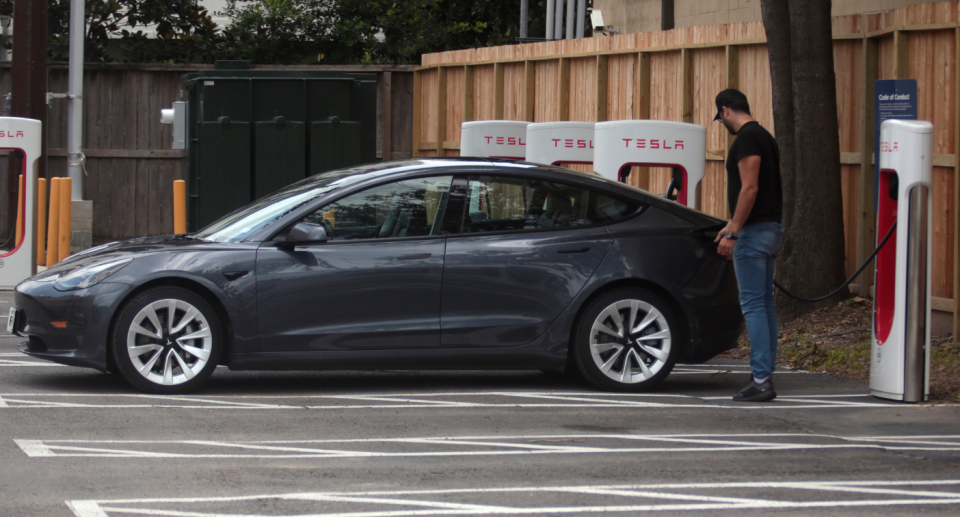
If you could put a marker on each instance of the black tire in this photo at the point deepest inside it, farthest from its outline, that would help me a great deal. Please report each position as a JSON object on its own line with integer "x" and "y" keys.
{"x": 170, "y": 363}
{"x": 601, "y": 356}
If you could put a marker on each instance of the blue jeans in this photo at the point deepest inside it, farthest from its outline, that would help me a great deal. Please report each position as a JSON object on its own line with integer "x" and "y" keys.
{"x": 754, "y": 257}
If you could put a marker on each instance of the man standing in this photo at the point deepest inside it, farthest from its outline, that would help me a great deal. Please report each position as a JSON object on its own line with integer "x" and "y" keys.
{"x": 754, "y": 235}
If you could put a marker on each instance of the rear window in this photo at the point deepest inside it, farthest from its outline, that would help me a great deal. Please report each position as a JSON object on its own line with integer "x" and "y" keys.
{"x": 499, "y": 203}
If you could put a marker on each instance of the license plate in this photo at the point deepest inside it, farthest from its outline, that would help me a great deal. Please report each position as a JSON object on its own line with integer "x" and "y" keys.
{"x": 11, "y": 319}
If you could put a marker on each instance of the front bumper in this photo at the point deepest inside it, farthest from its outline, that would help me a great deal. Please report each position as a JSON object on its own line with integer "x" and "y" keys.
{"x": 87, "y": 313}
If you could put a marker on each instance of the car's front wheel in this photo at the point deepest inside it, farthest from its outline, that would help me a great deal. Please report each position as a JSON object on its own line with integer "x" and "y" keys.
{"x": 167, "y": 340}
{"x": 626, "y": 340}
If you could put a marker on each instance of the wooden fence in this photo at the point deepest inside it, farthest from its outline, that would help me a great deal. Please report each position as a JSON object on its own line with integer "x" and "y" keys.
{"x": 131, "y": 165}
{"x": 675, "y": 75}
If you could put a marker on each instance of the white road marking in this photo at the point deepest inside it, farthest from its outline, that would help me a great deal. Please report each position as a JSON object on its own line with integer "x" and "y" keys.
{"x": 86, "y": 509}
{"x": 492, "y": 399}
{"x": 34, "y": 448}
{"x": 668, "y": 497}
{"x": 492, "y": 445}
{"x": 3, "y": 403}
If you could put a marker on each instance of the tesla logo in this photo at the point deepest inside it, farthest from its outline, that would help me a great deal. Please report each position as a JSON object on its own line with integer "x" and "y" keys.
{"x": 505, "y": 140}
{"x": 11, "y": 134}
{"x": 653, "y": 143}
{"x": 571, "y": 143}
{"x": 889, "y": 147}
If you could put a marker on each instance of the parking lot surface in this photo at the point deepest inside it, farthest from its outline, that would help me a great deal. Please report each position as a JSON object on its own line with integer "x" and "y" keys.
{"x": 395, "y": 443}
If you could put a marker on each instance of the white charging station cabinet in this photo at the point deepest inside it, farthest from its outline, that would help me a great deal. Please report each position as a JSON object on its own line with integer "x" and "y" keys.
{"x": 653, "y": 143}
{"x": 24, "y": 135}
{"x": 555, "y": 143}
{"x": 900, "y": 349}
{"x": 494, "y": 139}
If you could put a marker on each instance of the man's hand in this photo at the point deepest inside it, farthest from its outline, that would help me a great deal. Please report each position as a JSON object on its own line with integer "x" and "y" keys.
{"x": 726, "y": 245}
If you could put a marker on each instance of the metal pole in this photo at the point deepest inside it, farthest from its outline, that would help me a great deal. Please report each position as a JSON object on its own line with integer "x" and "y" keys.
{"x": 581, "y": 17}
{"x": 571, "y": 8}
{"x": 524, "y": 15}
{"x": 558, "y": 21}
{"x": 75, "y": 101}
{"x": 550, "y": 16}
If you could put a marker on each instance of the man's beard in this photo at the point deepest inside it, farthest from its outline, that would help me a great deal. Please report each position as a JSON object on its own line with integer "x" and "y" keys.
{"x": 726, "y": 124}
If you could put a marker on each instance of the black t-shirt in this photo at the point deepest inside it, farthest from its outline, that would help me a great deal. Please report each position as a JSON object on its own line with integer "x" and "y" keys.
{"x": 754, "y": 140}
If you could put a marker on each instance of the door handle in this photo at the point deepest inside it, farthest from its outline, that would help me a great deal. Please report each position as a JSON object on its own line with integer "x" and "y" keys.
{"x": 414, "y": 257}
{"x": 577, "y": 250}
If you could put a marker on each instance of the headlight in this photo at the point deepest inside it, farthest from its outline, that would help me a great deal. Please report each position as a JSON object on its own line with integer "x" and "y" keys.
{"x": 91, "y": 275}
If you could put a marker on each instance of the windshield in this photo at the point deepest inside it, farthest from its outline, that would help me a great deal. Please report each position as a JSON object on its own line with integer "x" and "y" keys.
{"x": 238, "y": 224}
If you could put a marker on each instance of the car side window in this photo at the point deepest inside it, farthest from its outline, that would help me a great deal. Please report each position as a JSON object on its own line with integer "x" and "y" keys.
{"x": 406, "y": 208}
{"x": 499, "y": 203}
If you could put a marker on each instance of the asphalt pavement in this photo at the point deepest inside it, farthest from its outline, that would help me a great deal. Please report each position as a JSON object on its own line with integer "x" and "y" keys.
{"x": 77, "y": 442}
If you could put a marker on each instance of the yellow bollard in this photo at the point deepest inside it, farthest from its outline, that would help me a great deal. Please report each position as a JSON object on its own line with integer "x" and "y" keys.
{"x": 41, "y": 221}
{"x": 16, "y": 243}
{"x": 179, "y": 206}
{"x": 65, "y": 209}
{"x": 53, "y": 230}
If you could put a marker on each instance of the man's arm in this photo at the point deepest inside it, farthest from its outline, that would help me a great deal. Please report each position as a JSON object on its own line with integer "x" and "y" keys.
{"x": 750, "y": 183}
{"x": 750, "y": 180}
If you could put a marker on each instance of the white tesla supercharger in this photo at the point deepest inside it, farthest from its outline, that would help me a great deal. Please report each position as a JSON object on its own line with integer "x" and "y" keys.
{"x": 622, "y": 144}
{"x": 494, "y": 139}
{"x": 23, "y": 135}
{"x": 900, "y": 352}
{"x": 556, "y": 143}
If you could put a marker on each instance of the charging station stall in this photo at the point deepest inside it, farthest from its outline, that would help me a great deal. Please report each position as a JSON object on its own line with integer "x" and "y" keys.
{"x": 654, "y": 143}
{"x": 556, "y": 143}
{"x": 23, "y": 135}
{"x": 494, "y": 139}
{"x": 900, "y": 351}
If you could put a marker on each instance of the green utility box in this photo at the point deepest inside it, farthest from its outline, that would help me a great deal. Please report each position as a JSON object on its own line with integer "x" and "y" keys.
{"x": 252, "y": 132}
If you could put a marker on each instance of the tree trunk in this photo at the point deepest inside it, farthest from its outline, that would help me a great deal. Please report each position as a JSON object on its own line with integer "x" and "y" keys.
{"x": 800, "y": 44}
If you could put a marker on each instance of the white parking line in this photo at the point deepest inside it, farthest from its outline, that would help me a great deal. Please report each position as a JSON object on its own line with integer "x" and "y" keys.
{"x": 492, "y": 445}
{"x": 521, "y": 500}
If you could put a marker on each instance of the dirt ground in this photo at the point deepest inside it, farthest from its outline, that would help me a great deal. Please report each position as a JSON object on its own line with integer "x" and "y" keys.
{"x": 836, "y": 340}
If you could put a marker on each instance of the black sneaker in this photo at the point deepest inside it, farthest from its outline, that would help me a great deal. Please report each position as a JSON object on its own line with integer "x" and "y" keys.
{"x": 754, "y": 392}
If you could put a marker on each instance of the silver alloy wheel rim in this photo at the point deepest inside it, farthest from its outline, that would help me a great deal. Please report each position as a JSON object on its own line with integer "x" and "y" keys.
{"x": 630, "y": 341}
{"x": 169, "y": 342}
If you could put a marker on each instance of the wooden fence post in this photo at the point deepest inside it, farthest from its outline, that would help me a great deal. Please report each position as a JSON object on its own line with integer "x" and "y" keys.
{"x": 901, "y": 54}
{"x": 441, "y": 109}
{"x": 563, "y": 90}
{"x": 468, "y": 86}
{"x": 602, "y": 78}
{"x": 386, "y": 124}
{"x": 956, "y": 186}
{"x": 641, "y": 109}
{"x": 417, "y": 112}
{"x": 686, "y": 85}
{"x": 529, "y": 90}
{"x": 498, "y": 91}
{"x": 867, "y": 238}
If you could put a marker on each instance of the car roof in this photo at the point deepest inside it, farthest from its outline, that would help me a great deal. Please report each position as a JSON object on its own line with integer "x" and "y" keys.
{"x": 383, "y": 170}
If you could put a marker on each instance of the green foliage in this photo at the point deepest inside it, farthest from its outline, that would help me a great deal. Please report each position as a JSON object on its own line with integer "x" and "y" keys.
{"x": 287, "y": 31}
{"x": 184, "y": 30}
{"x": 369, "y": 31}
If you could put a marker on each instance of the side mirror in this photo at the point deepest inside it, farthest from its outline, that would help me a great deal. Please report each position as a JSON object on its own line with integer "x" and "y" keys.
{"x": 305, "y": 233}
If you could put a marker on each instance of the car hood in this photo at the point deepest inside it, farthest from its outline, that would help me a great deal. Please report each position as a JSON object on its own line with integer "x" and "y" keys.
{"x": 123, "y": 249}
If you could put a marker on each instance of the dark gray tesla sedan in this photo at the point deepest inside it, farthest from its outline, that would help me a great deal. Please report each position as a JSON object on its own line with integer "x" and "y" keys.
{"x": 413, "y": 264}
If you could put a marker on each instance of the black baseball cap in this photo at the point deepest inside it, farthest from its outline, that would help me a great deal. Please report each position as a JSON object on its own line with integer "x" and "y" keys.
{"x": 731, "y": 98}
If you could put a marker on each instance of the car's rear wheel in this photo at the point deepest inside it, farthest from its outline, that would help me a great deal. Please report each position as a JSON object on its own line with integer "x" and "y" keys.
{"x": 167, "y": 340}
{"x": 626, "y": 340}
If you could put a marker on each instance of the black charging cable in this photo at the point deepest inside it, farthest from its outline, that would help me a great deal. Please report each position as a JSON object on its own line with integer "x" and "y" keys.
{"x": 855, "y": 275}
